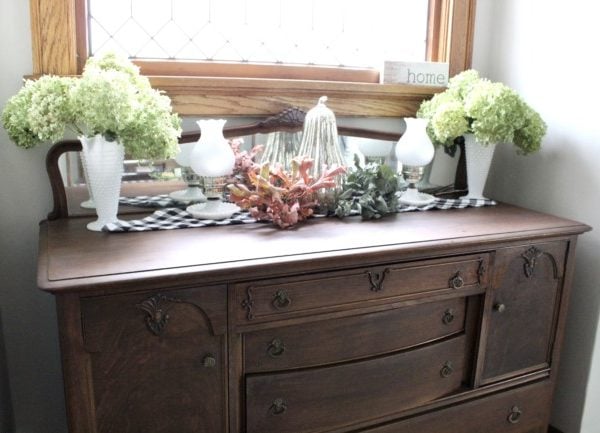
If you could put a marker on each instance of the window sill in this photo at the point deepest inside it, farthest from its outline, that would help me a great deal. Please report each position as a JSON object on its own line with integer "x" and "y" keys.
{"x": 202, "y": 96}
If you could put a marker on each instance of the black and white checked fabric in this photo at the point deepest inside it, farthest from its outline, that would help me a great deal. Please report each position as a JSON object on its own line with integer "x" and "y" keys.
{"x": 174, "y": 218}
{"x": 162, "y": 200}
{"x": 443, "y": 203}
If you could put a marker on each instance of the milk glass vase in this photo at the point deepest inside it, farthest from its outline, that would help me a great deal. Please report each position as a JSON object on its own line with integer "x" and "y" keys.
{"x": 479, "y": 158}
{"x": 103, "y": 164}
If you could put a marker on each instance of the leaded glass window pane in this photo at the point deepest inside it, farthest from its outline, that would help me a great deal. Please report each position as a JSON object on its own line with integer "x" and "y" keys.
{"x": 309, "y": 32}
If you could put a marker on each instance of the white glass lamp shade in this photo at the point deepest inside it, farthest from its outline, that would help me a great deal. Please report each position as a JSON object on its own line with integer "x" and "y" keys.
{"x": 374, "y": 148}
{"x": 183, "y": 158}
{"x": 212, "y": 155}
{"x": 414, "y": 147}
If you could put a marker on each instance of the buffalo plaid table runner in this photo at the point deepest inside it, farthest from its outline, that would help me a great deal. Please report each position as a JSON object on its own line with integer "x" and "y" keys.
{"x": 161, "y": 201}
{"x": 175, "y": 218}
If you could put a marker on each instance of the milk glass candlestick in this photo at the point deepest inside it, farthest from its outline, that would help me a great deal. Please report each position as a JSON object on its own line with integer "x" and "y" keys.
{"x": 193, "y": 192}
{"x": 414, "y": 150}
{"x": 213, "y": 160}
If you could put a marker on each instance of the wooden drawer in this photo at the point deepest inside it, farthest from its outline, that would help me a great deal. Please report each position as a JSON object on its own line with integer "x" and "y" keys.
{"x": 321, "y": 399}
{"x": 296, "y": 296}
{"x": 348, "y": 338}
{"x": 522, "y": 410}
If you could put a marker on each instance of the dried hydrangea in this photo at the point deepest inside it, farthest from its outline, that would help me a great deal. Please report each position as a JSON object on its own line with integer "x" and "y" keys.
{"x": 40, "y": 111}
{"x": 449, "y": 121}
{"x": 105, "y": 103}
{"x": 16, "y": 121}
{"x": 112, "y": 62}
{"x": 493, "y": 112}
{"x": 496, "y": 110}
{"x": 528, "y": 139}
{"x": 461, "y": 85}
{"x": 110, "y": 99}
{"x": 154, "y": 132}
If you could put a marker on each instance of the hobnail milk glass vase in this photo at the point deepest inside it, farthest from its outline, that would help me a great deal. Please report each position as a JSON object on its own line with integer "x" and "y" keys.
{"x": 89, "y": 203}
{"x": 103, "y": 164}
{"x": 479, "y": 159}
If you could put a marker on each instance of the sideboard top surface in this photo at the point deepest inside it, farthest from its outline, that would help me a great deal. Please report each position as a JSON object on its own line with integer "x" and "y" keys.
{"x": 72, "y": 258}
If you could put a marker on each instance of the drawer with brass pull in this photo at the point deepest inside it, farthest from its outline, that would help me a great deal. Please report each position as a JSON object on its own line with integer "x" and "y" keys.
{"x": 323, "y": 399}
{"x": 343, "y": 339}
{"x": 303, "y": 295}
{"x": 521, "y": 410}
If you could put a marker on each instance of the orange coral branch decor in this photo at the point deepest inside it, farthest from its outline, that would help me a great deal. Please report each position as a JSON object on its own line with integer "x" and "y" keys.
{"x": 285, "y": 198}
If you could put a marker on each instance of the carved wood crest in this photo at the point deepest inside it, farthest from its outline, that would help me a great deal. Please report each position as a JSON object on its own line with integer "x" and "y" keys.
{"x": 156, "y": 309}
{"x": 157, "y": 312}
{"x": 291, "y": 118}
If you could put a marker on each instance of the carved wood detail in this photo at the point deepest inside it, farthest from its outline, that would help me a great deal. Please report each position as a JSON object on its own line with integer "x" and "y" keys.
{"x": 292, "y": 118}
{"x": 531, "y": 257}
{"x": 156, "y": 309}
{"x": 157, "y": 312}
{"x": 481, "y": 271}
{"x": 376, "y": 279}
{"x": 248, "y": 304}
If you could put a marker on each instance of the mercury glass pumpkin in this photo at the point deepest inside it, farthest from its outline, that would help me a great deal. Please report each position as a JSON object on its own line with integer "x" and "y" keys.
{"x": 320, "y": 138}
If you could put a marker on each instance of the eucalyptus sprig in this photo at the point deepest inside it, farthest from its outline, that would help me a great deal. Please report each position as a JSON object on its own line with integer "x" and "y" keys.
{"x": 369, "y": 191}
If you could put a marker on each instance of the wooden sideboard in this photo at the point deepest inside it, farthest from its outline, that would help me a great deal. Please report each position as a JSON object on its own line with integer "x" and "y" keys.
{"x": 438, "y": 321}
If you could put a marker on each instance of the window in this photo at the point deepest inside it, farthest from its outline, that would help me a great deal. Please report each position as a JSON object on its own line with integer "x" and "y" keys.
{"x": 337, "y": 33}
{"x": 60, "y": 46}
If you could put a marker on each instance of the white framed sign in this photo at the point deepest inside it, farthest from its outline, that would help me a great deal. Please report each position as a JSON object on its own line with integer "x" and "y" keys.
{"x": 415, "y": 73}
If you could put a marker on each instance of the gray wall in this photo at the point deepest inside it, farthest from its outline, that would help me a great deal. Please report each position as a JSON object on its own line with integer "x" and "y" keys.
{"x": 547, "y": 50}
{"x": 28, "y": 315}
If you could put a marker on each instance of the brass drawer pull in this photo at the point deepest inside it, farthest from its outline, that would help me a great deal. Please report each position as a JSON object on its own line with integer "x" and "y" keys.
{"x": 209, "y": 361}
{"x": 500, "y": 308}
{"x": 456, "y": 282}
{"x": 448, "y": 316}
{"x": 278, "y": 407}
{"x": 281, "y": 300}
{"x": 446, "y": 370}
{"x": 515, "y": 415}
{"x": 276, "y": 348}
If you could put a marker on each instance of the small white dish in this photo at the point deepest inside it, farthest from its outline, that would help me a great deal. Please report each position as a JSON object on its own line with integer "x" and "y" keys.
{"x": 189, "y": 195}
{"x": 88, "y": 204}
{"x": 413, "y": 197}
{"x": 212, "y": 210}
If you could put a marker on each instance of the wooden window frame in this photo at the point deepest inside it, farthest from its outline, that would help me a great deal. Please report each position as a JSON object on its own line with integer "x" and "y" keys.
{"x": 59, "y": 48}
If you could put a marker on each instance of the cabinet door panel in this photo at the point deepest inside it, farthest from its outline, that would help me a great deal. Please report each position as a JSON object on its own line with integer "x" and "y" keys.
{"x": 158, "y": 361}
{"x": 526, "y": 289}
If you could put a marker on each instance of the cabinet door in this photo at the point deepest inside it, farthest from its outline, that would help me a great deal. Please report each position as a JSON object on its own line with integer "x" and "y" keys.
{"x": 158, "y": 361}
{"x": 526, "y": 291}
